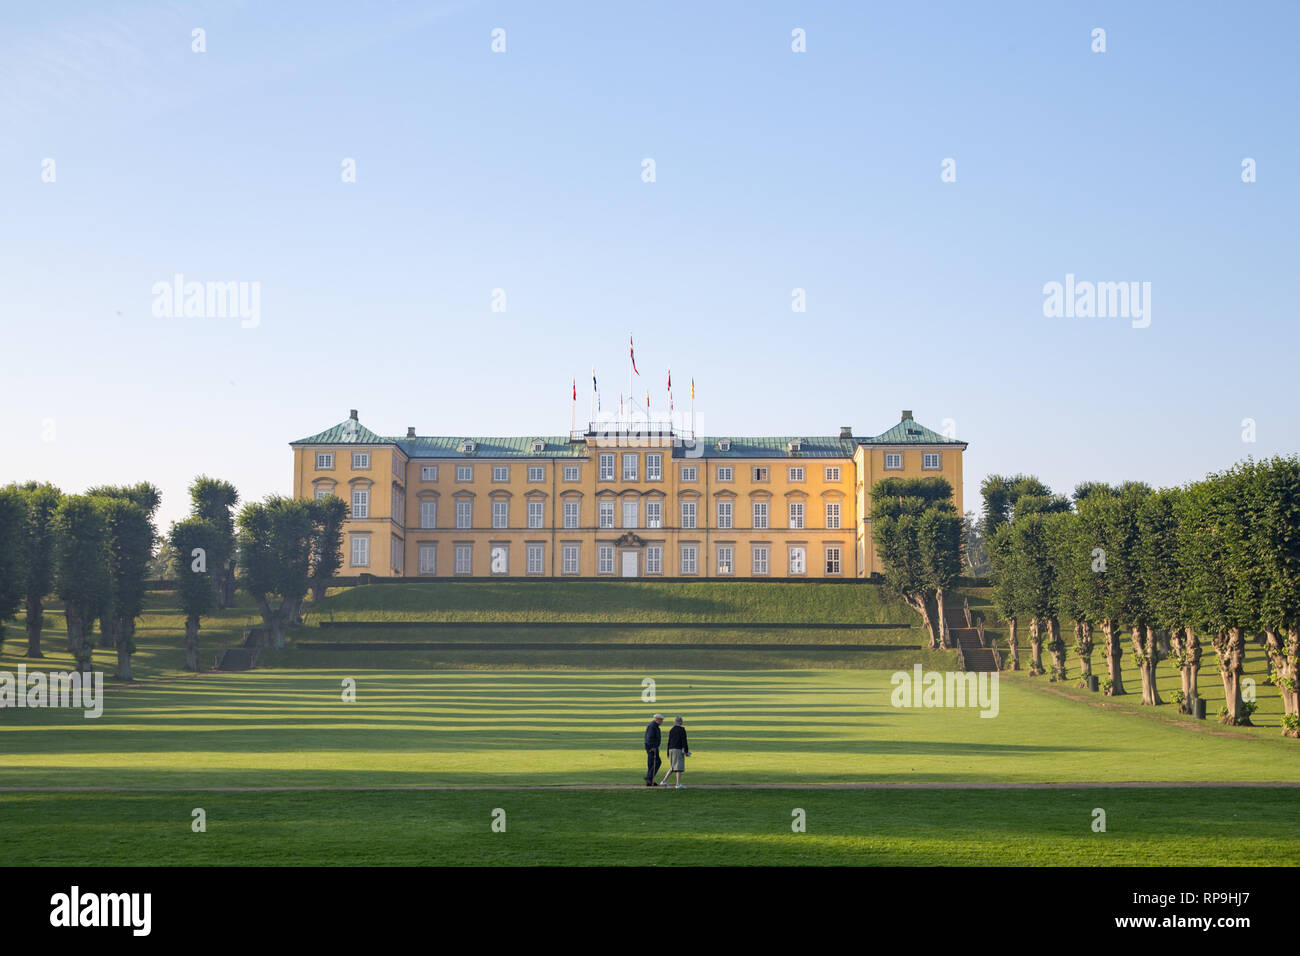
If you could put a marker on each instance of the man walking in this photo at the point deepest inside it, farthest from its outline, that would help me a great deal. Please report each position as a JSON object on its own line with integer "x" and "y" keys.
{"x": 652, "y": 761}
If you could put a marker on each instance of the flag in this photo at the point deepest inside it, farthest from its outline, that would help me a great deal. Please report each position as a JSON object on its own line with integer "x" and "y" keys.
{"x": 670, "y": 391}
{"x": 647, "y": 402}
{"x": 594, "y": 388}
{"x": 631, "y": 351}
{"x": 575, "y": 389}
{"x": 692, "y": 389}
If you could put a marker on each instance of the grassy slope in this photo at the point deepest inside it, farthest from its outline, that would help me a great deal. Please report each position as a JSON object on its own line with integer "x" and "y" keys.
{"x": 659, "y": 828}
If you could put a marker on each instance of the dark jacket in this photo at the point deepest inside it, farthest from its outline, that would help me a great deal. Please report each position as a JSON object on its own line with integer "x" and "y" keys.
{"x": 652, "y": 736}
{"x": 677, "y": 739}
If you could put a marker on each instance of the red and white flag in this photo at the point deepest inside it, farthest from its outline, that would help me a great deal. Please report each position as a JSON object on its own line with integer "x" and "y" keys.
{"x": 631, "y": 351}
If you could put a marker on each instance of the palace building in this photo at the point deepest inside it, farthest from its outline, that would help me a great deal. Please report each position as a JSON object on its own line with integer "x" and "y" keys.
{"x": 616, "y": 500}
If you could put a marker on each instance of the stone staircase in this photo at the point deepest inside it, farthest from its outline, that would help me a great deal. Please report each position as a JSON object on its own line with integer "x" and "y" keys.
{"x": 968, "y": 638}
{"x": 244, "y": 657}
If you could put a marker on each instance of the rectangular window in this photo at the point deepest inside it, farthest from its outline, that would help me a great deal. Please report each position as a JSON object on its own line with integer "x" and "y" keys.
{"x": 535, "y": 514}
{"x": 535, "y": 473}
{"x": 324, "y": 460}
{"x": 630, "y": 514}
{"x": 833, "y": 473}
{"x": 499, "y": 559}
{"x": 832, "y": 560}
{"x": 464, "y": 558}
{"x": 571, "y": 473}
{"x": 630, "y": 466}
{"x": 893, "y": 460}
{"x": 569, "y": 558}
{"x": 397, "y": 466}
{"x": 606, "y": 513}
{"x": 463, "y": 513}
{"x": 796, "y": 474}
{"x": 323, "y": 493}
{"x": 654, "y": 514}
{"x": 654, "y": 467}
{"x": 500, "y": 514}
{"x": 654, "y": 559}
{"x": 724, "y": 559}
{"x": 398, "y": 506}
{"x": 360, "y": 460}
{"x": 689, "y": 473}
{"x": 690, "y": 561}
{"x": 428, "y": 559}
{"x": 395, "y": 555}
{"x": 535, "y": 559}
{"x": 760, "y": 559}
{"x": 570, "y": 514}
{"x": 428, "y": 514}
{"x": 760, "y": 514}
{"x": 360, "y": 551}
{"x": 930, "y": 460}
{"x": 688, "y": 514}
{"x": 428, "y": 472}
{"x": 360, "y": 503}
{"x": 724, "y": 473}
{"x": 607, "y": 467}
{"x": 464, "y": 472}
{"x": 797, "y": 565}
{"x": 724, "y": 514}
{"x": 796, "y": 514}
{"x": 833, "y": 514}
{"x": 500, "y": 472}
{"x": 605, "y": 559}
{"x": 760, "y": 474}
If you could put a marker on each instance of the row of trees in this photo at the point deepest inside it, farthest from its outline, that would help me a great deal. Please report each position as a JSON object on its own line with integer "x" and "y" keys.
{"x": 1217, "y": 559}
{"x": 94, "y": 551}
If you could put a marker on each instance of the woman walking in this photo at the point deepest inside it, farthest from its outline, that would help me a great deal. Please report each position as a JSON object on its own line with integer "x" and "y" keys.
{"x": 678, "y": 751}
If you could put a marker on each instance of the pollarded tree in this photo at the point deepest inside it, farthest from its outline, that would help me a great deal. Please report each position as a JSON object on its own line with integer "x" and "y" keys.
{"x": 916, "y": 554}
{"x": 1164, "y": 581}
{"x": 1218, "y": 596}
{"x": 1129, "y": 586}
{"x": 120, "y": 633}
{"x": 214, "y": 501}
{"x": 328, "y": 515}
{"x": 276, "y": 538}
{"x": 1096, "y": 591}
{"x": 130, "y": 545}
{"x": 1006, "y": 598}
{"x": 1035, "y": 581}
{"x": 939, "y": 534}
{"x": 1272, "y": 492}
{"x": 13, "y": 534}
{"x": 38, "y": 556}
{"x": 191, "y": 540}
{"x": 81, "y": 576}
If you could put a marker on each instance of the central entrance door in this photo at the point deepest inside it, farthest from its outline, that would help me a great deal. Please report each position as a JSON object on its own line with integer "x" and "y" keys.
{"x": 629, "y": 564}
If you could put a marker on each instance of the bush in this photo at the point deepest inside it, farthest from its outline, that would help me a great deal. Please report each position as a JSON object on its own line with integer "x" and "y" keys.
{"x": 1177, "y": 697}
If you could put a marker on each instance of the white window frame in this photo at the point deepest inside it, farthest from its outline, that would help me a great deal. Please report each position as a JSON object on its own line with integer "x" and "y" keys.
{"x": 832, "y": 472}
{"x": 690, "y": 473}
{"x": 572, "y": 473}
{"x": 323, "y": 493}
{"x": 570, "y": 558}
{"x": 833, "y": 515}
{"x": 536, "y": 473}
{"x": 759, "y": 556}
{"x": 464, "y": 472}
{"x": 536, "y": 514}
{"x": 631, "y": 466}
{"x": 361, "y": 461}
{"x": 760, "y": 473}
{"x": 604, "y": 559}
{"x": 796, "y": 515}
{"x": 428, "y": 472}
{"x": 654, "y": 559}
{"x": 690, "y": 555}
{"x": 726, "y": 473}
{"x": 464, "y": 514}
{"x": 500, "y": 514}
{"x": 654, "y": 467}
{"x": 726, "y": 513}
{"x": 360, "y": 503}
{"x": 571, "y": 514}
{"x": 797, "y": 555}
{"x": 896, "y": 457}
{"x": 605, "y": 513}
{"x": 631, "y": 513}
{"x": 324, "y": 461}
{"x": 760, "y": 515}
{"x": 431, "y": 549}
{"x": 837, "y": 561}
{"x": 606, "y": 466}
{"x": 654, "y": 514}
{"x": 926, "y": 458}
{"x": 726, "y": 559}
{"x": 536, "y": 559}
{"x": 796, "y": 473}
{"x": 500, "y": 473}
{"x": 428, "y": 514}
{"x": 689, "y": 515}
{"x": 464, "y": 559}
{"x": 364, "y": 560}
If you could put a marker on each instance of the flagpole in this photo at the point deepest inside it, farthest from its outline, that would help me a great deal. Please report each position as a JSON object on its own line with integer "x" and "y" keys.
{"x": 629, "y": 381}
{"x": 591, "y": 401}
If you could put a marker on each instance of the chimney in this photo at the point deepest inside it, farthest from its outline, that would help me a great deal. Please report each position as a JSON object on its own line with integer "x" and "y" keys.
{"x": 846, "y": 431}
{"x": 353, "y": 414}
{"x": 907, "y": 414}
{"x": 410, "y": 431}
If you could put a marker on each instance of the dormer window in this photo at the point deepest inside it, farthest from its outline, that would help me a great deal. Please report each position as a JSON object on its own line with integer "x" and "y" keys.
{"x": 795, "y": 446}
{"x": 539, "y": 446}
{"x": 467, "y": 446}
{"x": 724, "y": 444}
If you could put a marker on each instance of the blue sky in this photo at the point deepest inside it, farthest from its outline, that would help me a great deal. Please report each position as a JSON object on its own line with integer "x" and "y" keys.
{"x": 522, "y": 171}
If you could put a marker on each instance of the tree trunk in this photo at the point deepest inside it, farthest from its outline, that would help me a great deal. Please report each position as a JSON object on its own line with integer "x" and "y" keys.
{"x": 1145, "y": 653}
{"x": 35, "y": 618}
{"x": 1114, "y": 651}
{"x": 1180, "y": 654}
{"x": 79, "y": 646}
{"x": 123, "y": 654}
{"x": 192, "y": 642}
{"x": 1035, "y": 647}
{"x": 107, "y": 633}
{"x": 1285, "y": 655}
{"x": 1230, "y": 647}
{"x": 1013, "y": 645}
{"x": 920, "y": 604}
{"x": 1083, "y": 650}
{"x": 1193, "y": 644}
{"x": 318, "y": 591}
{"x": 274, "y": 621}
{"x": 943, "y": 618}
{"x": 1057, "y": 647}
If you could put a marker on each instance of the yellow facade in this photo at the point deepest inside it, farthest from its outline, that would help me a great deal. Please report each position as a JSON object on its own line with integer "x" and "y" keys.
{"x": 614, "y": 503}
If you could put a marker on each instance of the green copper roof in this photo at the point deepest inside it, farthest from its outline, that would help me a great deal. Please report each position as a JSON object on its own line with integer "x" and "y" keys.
{"x": 352, "y": 432}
